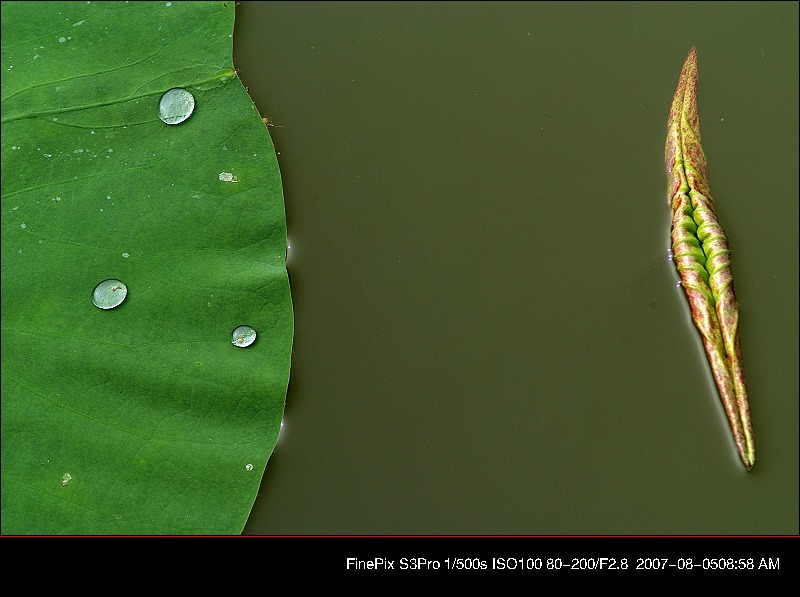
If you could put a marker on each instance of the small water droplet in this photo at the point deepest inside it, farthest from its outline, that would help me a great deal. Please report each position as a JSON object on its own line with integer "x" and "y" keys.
{"x": 243, "y": 336}
{"x": 109, "y": 294}
{"x": 61, "y": 40}
{"x": 248, "y": 467}
{"x": 227, "y": 177}
{"x": 126, "y": 255}
{"x": 65, "y": 479}
{"x": 23, "y": 225}
{"x": 176, "y": 105}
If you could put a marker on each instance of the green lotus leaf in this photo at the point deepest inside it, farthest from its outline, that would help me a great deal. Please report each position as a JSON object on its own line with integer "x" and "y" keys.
{"x": 146, "y": 417}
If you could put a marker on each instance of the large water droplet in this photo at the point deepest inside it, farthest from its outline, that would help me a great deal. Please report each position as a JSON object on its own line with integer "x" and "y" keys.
{"x": 243, "y": 336}
{"x": 176, "y": 105}
{"x": 109, "y": 294}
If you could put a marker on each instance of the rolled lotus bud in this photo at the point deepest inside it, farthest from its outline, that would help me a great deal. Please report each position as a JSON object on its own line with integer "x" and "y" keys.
{"x": 702, "y": 257}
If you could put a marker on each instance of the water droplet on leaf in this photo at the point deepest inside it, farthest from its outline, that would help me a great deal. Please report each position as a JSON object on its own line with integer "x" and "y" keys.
{"x": 176, "y": 105}
{"x": 109, "y": 294}
{"x": 243, "y": 336}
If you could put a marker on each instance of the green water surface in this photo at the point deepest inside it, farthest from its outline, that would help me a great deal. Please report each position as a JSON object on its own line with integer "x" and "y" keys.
{"x": 489, "y": 338}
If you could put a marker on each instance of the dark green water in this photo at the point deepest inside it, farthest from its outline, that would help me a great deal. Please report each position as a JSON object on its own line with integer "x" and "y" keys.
{"x": 489, "y": 337}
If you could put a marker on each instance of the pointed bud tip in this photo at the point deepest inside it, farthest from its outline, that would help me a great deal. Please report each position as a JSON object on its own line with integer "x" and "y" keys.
{"x": 691, "y": 57}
